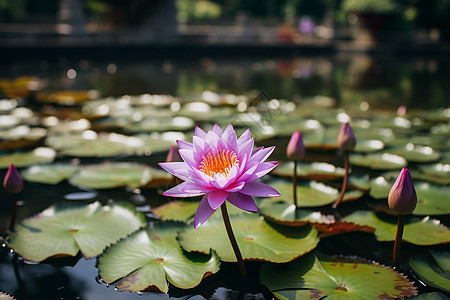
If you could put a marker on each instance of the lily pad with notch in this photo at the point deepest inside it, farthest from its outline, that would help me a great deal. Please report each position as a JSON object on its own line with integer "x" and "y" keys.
{"x": 150, "y": 257}
{"x": 337, "y": 277}
{"x": 419, "y": 231}
{"x": 257, "y": 240}
{"x": 65, "y": 229}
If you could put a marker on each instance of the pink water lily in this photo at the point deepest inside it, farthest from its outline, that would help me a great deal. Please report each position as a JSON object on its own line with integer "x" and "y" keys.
{"x": 221, "y": 167}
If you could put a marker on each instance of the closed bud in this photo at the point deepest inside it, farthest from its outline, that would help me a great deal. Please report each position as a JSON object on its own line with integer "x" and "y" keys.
{"x": 402, "y": 197}
{"x": 346, "y": 138}
{"x": 173, "y": 155}
{"x": 295, "y": 149}
{"x": 13, "y": 182}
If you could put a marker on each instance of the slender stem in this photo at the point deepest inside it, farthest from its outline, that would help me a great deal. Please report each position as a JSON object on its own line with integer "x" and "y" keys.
{"x": 344, "y": 182}
{"x": 12, "y": 219}
{"x": 398, "y": 239}
{"x": 237, "y": 252}
{"x": 294, "y": 184}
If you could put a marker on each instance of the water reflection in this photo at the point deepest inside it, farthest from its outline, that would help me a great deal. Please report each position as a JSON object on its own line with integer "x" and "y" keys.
{"x": 349, "y": 78}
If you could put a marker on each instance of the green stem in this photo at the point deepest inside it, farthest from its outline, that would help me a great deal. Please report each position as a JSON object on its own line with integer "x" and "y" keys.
{"x": 294, "y": 184}
{"x": 398, "y": 239}
{"x": 344, "y": 183}
{"x": 12, "y": 219}
{"x": 237, "y": 252}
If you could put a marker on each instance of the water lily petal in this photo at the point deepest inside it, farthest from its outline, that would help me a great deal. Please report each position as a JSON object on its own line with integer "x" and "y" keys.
{"x": 259, "y": 189}
{"x": 177, "y": 191}
{"x": 235, "y": 187}
{"x": 244, "y": 137}
{"x": 187, "y": 156}
{"x": 211, "y": 139}
{"x": 193, "y": 188}
{"x": 217, "y": 130}
{"x": 262, "y": 169}
{"x": 204, "y": 211}
{"x": 246, "y": 148}
{"x": 185, "y": 145}
{"x": 251, "y": 168}
{"x": 262, "y": 154}
{"x": 216, "y": 198}
{"x": 219, "y": 181}
{"x": 199, "y": 132}
{"x": 242, "y": 201}
{"x": 230, "y": 139}
{"x": 179, "y": 169}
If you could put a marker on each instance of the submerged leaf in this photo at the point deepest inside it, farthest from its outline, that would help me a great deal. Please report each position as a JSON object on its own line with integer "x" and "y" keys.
{"x": 66, "y": 228}
{"x": 150, "y": 257}
{"x": 257, "y": 240}
{"x": 312, "y": 277}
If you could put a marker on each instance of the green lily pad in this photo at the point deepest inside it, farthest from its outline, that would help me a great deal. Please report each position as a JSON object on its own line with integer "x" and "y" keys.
{"x": 91, "y": 144}
{"x": 312, "y": 277}
{"x": 438, "y": 173}
{"x": 50, "y": 174}
{"x": 161, "y": 124}
{"x": 309, "y": 193}
{"x": 184, "y": 211}
{"x": 319, "y": 139}
{"x": 285, "y": 127}
{"x": 66, "y": 228}
{"x": 369, "y": 145}
{"x": 160, "y": 141}
{"x": 314, "y": 171}
{"x": 39, "y": 155}
{"x": 378, "y": 161}
{"x": 416, "y": 153}
{"x": 112, "y": 175}
{"x": 23, "y": 132}
{"x": 257, "y": 240}
{"x": 432, "y": 199}
{"x": 418, "y": 231}
{"x": 431, "y": 271}
{"x": 150, "y": 257}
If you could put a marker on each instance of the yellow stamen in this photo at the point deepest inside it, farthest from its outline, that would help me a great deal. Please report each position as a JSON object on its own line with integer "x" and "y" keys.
{"x": 218, "y": 162}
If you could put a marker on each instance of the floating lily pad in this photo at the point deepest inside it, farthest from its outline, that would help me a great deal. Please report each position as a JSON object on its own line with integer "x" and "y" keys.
{"x": 90, "y": 144}
{"x": 318, "y": 139}
{"x": 309, "y": 193}
{"x": 430, "y": 296}
{"x": 112, "y": 175}
{"x": 50, "y": 174}
{"x": 66, "y": 228}
{"x": 289, "y": 126}
{"x": 184, "y": 211}
{"x": 161, "y": 124}
{"x": 418, "y": 231}
{"x": 369, "y": 145}
{"x": 285, "y": 214}
{"x": 150, "y": 257}
{"x": 378, "y": 161}
{"x": 432, "y": 199}
{"x": 314, "y": 171}
{"x": 433, "y": 269}
{"x": 25, "y": 159}
{"x": 160, "y": 141}
{"x": 416, "y": 153}
{"x": 257, "y": 240}
{"x": 23, "y": 132}
{"x": 438, "y": 173}
{"x": 311, "y": 277}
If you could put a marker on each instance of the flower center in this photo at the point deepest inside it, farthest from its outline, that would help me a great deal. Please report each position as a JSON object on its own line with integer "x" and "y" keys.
{"x": 218, "y": 162}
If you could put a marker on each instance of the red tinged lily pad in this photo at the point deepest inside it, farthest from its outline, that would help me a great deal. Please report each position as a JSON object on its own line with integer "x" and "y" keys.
{"x": 317, "y": 277}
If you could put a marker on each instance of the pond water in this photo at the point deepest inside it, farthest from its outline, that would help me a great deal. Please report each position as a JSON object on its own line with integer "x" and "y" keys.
{"x": 378, "y": 82}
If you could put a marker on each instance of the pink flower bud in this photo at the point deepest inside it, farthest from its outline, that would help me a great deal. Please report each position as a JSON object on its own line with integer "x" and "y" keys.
{"x": 295, "y": 149}
{"x": 13, "y": 182}
{"x": 173, "y": 155}
{"x": 346, "y": 138}
{"x": 402, "y": 197}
